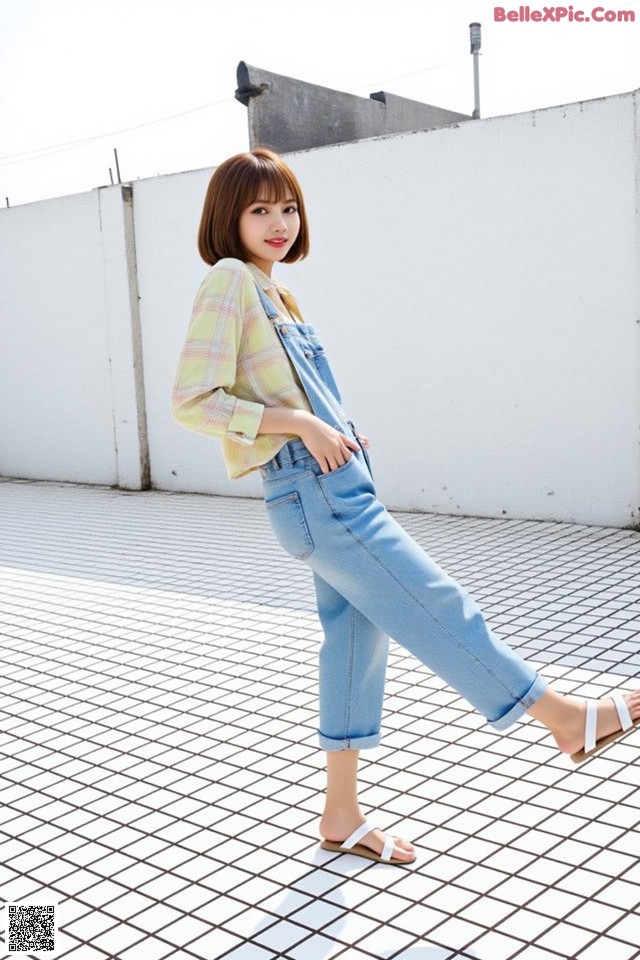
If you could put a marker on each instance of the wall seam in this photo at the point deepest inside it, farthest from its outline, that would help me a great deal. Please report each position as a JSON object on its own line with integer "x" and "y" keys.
{"x": 136, "y": 334}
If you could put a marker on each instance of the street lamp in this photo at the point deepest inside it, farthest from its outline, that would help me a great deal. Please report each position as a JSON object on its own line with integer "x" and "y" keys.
{"x": 476, "y": 40}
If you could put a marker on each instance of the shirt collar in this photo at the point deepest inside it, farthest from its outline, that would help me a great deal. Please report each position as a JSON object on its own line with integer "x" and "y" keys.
{"x": 265, "y": 281}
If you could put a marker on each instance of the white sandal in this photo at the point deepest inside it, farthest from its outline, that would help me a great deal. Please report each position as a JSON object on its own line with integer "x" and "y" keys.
{"x": 591, "y": 747}
{"x": 353, "y": 846}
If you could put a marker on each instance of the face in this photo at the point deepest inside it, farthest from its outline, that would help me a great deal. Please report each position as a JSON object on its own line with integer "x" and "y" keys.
{"x": 268, "y": 230}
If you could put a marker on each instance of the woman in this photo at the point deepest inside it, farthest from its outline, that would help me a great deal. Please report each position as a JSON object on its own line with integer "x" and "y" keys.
{"x": 254, "y": 374}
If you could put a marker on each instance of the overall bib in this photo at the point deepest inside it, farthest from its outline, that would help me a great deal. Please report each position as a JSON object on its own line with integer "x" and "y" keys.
{"x": 373, "y": 581}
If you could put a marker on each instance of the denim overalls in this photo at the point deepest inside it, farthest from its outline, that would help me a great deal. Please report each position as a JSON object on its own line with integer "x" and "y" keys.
{"x": 373, "y": 581}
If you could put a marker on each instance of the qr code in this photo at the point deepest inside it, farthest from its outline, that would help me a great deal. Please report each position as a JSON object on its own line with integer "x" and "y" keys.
{"x": 30, "y": 927}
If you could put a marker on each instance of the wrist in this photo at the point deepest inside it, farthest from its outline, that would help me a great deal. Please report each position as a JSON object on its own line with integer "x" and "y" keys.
{"x": 302, "y": 421}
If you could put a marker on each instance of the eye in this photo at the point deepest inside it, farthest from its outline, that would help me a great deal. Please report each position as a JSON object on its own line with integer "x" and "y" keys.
{"x": 291, "y": 209}
{"x": 259, "y": 210}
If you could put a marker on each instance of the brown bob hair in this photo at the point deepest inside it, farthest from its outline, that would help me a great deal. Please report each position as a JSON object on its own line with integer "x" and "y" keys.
{"x": 237, "y": 183}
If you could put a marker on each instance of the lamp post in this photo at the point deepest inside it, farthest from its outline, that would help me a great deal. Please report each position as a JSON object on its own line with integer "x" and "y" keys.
{"x": 476, "y": 40}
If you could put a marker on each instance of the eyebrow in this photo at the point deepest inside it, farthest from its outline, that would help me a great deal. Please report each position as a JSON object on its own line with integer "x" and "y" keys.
{"x": 290, "y": 200}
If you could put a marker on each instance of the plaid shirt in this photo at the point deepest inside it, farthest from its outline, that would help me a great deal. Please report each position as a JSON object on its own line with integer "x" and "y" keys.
{"x": 232, "y": 366}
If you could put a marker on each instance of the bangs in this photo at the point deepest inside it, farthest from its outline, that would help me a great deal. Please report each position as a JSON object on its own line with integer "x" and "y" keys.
{"x": 267, "y": 181}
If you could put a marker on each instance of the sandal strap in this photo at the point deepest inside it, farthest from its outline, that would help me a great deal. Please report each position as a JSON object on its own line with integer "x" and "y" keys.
{"x": 590, "y": 726}
{"x": 592, "y": 717}
{"x": 623, "y": 711}
{"x": 357, "y": 835}
{"x": 387, "y": 850}
{"x": 362, "y": 831}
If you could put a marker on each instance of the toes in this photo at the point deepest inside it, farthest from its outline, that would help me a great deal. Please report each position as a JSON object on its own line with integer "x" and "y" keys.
{"x": 403, "y": 849}
{"x": 403, "y": 844}
{"x": 633, "y": 704}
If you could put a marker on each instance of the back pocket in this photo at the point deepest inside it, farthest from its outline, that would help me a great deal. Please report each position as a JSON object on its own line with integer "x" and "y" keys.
{"x": 290, "y": 526}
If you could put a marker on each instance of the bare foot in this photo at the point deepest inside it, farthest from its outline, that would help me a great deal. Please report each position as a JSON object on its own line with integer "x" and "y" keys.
{"x": 338, "y": 828}
{"x": 570, "y": 737}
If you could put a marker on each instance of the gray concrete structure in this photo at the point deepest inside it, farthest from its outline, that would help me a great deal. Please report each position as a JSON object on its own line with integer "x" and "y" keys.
{"x": 288, "y": 114}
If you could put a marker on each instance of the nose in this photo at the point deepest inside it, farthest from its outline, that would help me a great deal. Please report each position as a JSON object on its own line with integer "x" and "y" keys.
{"x": 278, "y": 224}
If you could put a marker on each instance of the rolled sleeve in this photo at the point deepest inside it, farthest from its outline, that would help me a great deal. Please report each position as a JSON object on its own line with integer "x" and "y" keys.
{"x": 245, "y": 420}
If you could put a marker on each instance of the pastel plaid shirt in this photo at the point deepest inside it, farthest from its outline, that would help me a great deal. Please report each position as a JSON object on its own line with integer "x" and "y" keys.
{"x": 233, "y": 365}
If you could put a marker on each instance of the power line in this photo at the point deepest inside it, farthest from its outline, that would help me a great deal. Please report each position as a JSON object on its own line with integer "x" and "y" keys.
{"x": 413, "y": 73}
{"x": 8, "y": 159}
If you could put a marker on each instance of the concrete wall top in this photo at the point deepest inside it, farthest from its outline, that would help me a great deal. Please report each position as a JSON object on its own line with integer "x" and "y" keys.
{"x": 288, "y": 114}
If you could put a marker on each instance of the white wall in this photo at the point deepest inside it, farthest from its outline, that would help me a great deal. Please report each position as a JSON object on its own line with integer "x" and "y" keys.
{"x": 69, "y": 367}
{"x": 56, "y": 408}
{"x": 476, "y": 287}
{"x": 478, "y": 290}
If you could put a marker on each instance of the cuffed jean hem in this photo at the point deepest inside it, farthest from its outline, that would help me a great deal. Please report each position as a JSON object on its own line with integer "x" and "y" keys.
{"x": 349, "y": 743}
{"x": 533, "y": 694}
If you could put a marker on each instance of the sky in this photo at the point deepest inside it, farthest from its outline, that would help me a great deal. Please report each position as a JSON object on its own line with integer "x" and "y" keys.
{"x": 156, "y": 78}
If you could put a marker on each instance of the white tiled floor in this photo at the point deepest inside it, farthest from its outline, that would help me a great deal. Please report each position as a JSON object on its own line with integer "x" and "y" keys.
{"x": 159, "y": 773}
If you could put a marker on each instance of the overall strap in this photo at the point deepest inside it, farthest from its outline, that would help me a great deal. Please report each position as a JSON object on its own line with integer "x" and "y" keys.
{"x": 270, "y": 309}
{"x": 289, "y": 301}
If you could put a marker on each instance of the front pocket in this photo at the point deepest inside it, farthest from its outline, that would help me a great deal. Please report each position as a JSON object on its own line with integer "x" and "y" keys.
{"x": 348, "y": 491}
{"x": 290, "y": 525}
{"x": 342, "y": 468}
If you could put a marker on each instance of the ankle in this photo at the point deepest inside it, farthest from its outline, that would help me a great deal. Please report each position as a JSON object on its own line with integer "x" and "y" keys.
{"x": 340, "y": 821}
{"x": 557, "y": 712}
{"x": 342, "y": 812}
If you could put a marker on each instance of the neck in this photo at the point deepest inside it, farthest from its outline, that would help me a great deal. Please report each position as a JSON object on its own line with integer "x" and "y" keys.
{"x": 264, "y": 265}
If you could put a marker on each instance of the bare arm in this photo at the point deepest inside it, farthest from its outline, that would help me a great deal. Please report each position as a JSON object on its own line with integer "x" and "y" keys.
{"x": 326, "y": 444}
